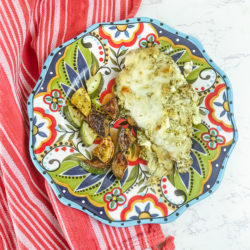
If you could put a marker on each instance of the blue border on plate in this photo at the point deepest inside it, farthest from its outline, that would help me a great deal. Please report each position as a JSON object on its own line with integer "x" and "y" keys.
{"x": 180, "y": 210}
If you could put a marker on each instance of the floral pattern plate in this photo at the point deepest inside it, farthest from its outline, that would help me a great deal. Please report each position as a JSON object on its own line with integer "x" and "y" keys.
{"x": 54, "y": 142}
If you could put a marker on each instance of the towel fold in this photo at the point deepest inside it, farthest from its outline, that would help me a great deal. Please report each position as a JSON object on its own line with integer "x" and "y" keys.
{"x": 31, "y": 217}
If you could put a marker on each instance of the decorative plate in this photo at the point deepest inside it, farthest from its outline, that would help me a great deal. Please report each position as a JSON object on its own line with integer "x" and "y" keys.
{"x": 102, "y": 48}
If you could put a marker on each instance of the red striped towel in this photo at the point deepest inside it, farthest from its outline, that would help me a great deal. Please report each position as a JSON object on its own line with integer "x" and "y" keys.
{"x": 31, "y": 217}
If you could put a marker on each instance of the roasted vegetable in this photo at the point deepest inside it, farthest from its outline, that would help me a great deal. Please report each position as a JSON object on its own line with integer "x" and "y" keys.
{"x": 94, "y": 85}
{"x": 124, "y": 140}
{"x": 73, "y": 115}
{"x": 98, "y": 122}
{"x": 111, "y": 108}
{"x": 82, "y": 101}
{"x": 119, "y": 165}
{"x": 87, "y": 134}
{"x": 94, "y": 166}
{"x": 105, "y": 150}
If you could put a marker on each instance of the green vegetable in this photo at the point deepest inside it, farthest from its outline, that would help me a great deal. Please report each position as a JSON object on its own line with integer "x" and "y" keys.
{"x": 94, "y": 85}
{"x": 92, "y": 169}
{"x": 73, "y": 116}
{"x": 87, "y": 134}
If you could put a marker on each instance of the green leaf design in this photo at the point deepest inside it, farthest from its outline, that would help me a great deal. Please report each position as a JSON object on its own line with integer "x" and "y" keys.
{"x": 133, "y": 173}
{"x": 60, "y": 138}
{"x": 88, "y": 154}
{"x": 70, "y": 127}
{"x": 220, "y": 139}
{"x": 140, "y": 176}
{"x": 113, "y": 61}
{"x": 54, "y": 106}
{"x": 48, "y": 99}
{"x": 171, "y": 178}
{"x": 116, "y": 192}
{"x": 213, "y": 132}
{"x": 201, "y": 100}
{"x": 123, "y": 61}
{"x": 153, "y": 190}
{"x": 112, "y": 51}
{"x": 116, "y": 69}
{"x": 142, "y": 189}
{"x": 60, "y": 127}
{"x": 151, "y": 39}
{"x": 202, "y": 112}
{"x": 112, "y": 204}
{"x": 95, "y": 65}
{"x": 71, "y": 137}
{"x": 55, "y": 94}
{"x": 108, "y": 197}
{"x": 123, "y": 52}
{"x": 140, "y": 182}
{"x": 120, "y": 199}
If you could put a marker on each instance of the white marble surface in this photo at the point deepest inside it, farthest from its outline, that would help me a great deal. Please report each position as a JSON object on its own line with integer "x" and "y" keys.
{"x": 221, "y": 221}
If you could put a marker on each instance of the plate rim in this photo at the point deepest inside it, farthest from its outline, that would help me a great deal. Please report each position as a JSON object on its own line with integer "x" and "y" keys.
{"x": 184, "y": 207}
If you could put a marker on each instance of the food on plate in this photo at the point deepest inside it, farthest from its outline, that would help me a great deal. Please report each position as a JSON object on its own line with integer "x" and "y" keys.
{"x": 188, "y": 66}
{"x": 87, "y": 134}
{"x": 105, "y": 150}
{"x": 98, "y": 122}
{"x": 156, "y": 100}
{"x": 111, "y": 108}
{"x": 82, "y": 101}
{"x": 124, "y": 140}
{"x": 73, "y": 115}
{"x": 94, "y": 166}
{"x": 119, "y": 165}
{"x": 94, "y": 85}
{"x": 152, "y": 90}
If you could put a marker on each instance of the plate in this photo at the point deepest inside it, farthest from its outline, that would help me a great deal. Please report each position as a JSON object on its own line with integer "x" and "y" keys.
{"x": 53, "y": 141}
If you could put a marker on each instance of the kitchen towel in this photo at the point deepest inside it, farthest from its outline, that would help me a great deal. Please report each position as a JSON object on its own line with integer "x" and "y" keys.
{"x": 31, "y": 217}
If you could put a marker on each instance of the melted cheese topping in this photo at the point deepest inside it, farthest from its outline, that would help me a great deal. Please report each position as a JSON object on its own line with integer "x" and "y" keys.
{"x": 156, "y": 95}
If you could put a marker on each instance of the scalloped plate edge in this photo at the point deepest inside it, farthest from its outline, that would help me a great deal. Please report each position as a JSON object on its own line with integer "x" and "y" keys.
{"x": 180, "y": 210}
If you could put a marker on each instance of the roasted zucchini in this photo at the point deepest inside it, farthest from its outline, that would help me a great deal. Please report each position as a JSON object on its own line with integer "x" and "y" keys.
{"x": 94, "y": 85}
{"x": 87, "y": 134}
{"x": 73, "y": 115}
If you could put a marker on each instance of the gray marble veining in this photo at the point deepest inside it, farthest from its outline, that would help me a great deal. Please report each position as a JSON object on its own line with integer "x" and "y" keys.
{"x": 221, "y": 221}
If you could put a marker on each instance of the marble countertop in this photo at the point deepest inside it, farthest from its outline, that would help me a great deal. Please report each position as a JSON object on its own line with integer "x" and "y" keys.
{"x": 221, "y": 221}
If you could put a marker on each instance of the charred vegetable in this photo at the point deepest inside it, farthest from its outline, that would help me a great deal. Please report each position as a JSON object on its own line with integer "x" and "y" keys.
{"x": 124, "y": 140}
{"x": 119, "y": 165}
{"x": 105, "y": 150}
{"x": 98, "y": 122}
{"x": 111, "y": 108}
{"x": 82, "y": 101}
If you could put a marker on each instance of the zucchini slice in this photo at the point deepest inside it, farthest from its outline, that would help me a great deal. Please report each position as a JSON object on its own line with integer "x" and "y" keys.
{"x": 94, "y": 170}
{"x": 94, "y": 85}
{"x": 82, "y": 101}
{"x": 87, "y": 134}
{"x": 73, "y": 116}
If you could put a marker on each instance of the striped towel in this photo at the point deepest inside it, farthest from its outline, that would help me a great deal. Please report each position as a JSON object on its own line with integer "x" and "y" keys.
{"x": 31, "y": 217}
